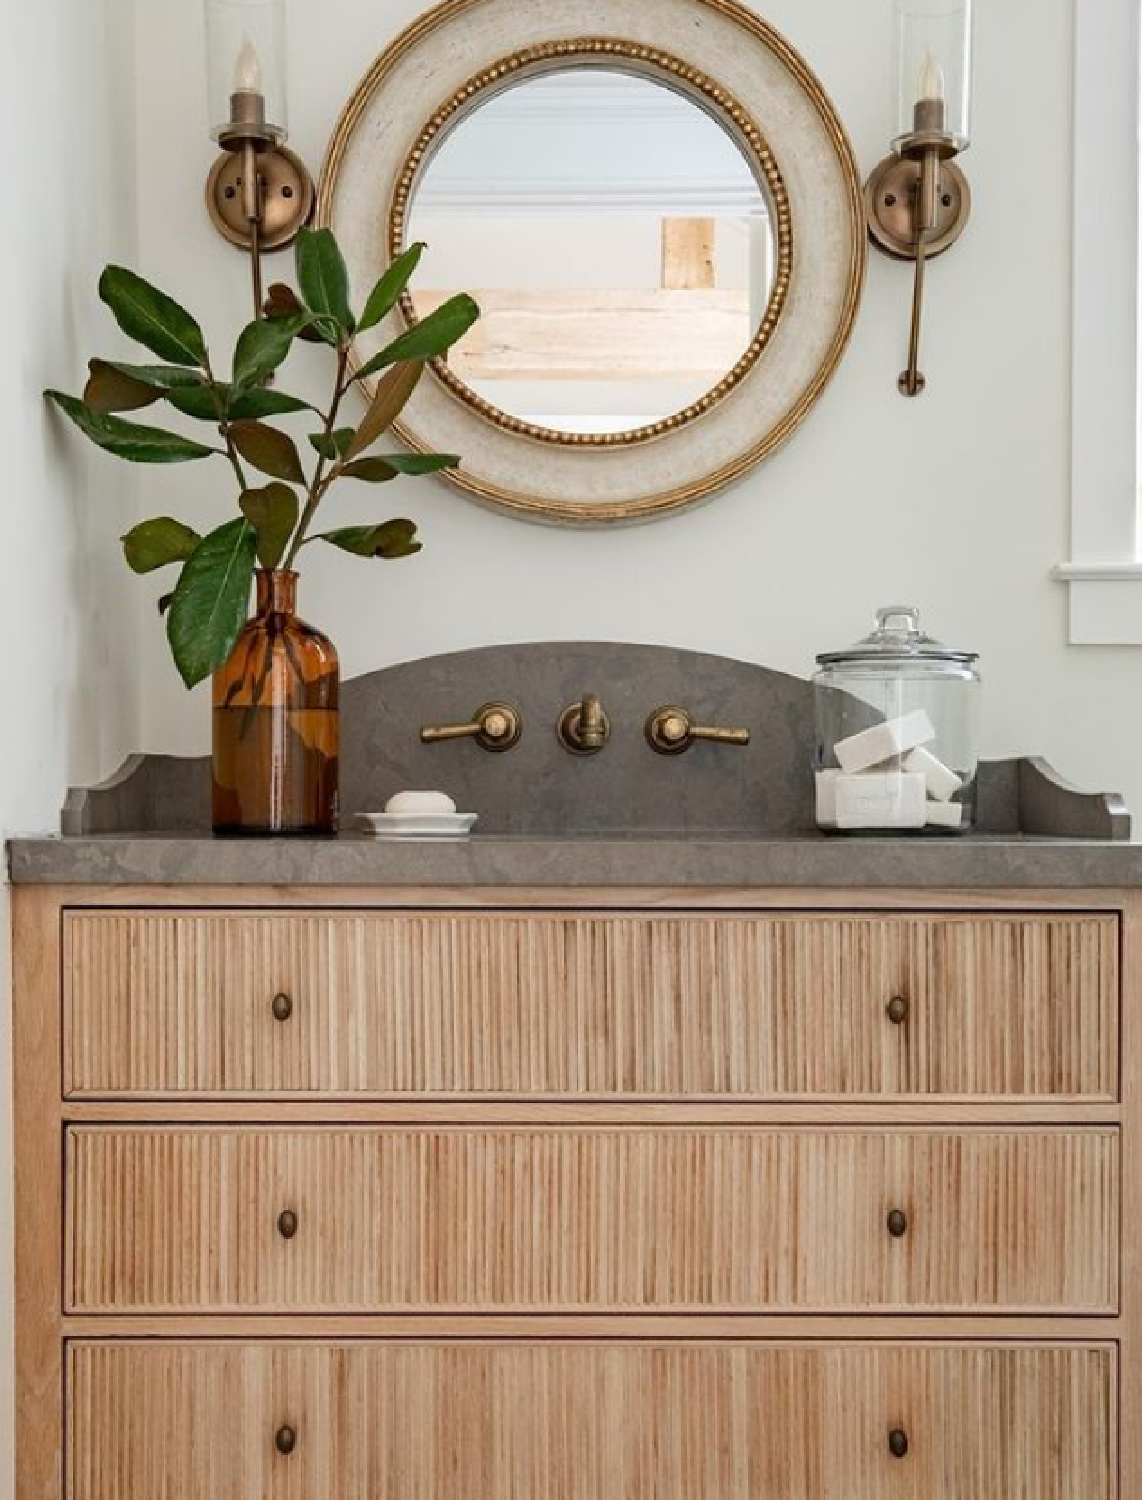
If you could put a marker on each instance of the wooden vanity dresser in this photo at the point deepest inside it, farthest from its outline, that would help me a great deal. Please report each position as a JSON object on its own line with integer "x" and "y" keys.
{"x": 338, "y": 1193}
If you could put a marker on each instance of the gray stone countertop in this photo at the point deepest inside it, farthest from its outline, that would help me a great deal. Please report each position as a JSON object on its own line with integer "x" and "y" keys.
{"x": 692, "y": 859}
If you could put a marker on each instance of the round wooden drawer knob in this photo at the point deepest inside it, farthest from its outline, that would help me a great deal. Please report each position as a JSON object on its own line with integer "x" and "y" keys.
{"x": 287, "y": 1224}
{"x": 285, "y": 1440}
{"x": 282, "y": 1007}
{"x": 897, "y": 1224}
{"x": 898, "y": 1443}
{"x": 898, "y": 1010}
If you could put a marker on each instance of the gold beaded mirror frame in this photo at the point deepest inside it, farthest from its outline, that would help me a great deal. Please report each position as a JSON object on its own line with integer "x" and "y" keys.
{"x": 738, "y": 71}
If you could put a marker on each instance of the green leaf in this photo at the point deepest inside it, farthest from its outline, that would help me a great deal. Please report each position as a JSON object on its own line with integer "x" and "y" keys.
{"x": 333, "y": 444}
{"x": 211, "y": 600}
{"x": 201, "y": 402}
{"x": 269, "y": 450}
{"x": 262, "y": 347}
{"x": 323, "y": 277}
{"x": 283, "y": 302}
{"x": 158, "y": 377}
{"x": 110, "y": 390}
{"x": 392, "y": 539}
{"x": 273, "y": 513}
{"x": 394, "y": 391}
{"x": 154, "y": 544}
{"x": 386, "y": 293}
{"x": 152, "y": 318}
{"x": 243, "y": 405}
{"x": 421, "y": 463}
{"x": 377, "y": 470}
{"x": 140, "y": 445}
{"x": 430, "y": 337}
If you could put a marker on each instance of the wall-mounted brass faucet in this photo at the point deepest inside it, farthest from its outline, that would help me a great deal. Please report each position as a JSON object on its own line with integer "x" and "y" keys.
{"x": 495, "y": 727}
{"x": 583, "y": 727}
{"x": 671, "y": 731}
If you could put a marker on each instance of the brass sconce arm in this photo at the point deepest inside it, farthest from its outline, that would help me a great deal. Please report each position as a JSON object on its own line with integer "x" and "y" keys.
{"x": 918, "y": 204}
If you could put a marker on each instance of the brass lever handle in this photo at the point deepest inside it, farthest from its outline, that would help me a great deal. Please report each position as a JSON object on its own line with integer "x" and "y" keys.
{"x": 496, "y": 726}
{"x": 671, "y": 731}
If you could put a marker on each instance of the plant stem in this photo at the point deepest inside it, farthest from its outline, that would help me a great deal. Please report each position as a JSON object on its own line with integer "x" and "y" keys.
{"x": 321, "y": 480}
{"x": 224, "y": 429}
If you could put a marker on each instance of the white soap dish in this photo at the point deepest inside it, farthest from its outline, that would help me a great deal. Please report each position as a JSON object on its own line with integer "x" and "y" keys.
{"x": 413, "y": 825}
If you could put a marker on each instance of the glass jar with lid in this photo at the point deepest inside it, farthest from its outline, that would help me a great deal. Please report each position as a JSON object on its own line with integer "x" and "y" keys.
{"x": 897, "y": 732}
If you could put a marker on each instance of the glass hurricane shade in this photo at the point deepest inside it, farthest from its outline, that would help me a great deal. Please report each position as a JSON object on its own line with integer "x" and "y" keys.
{"x": 934, "y": 54}
{"x": 245, "y": 56}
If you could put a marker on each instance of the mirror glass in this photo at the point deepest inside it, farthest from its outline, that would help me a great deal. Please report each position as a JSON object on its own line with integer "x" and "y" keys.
{"x": 617, "y": 240}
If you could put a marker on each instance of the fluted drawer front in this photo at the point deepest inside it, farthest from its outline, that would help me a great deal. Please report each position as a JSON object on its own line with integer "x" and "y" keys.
{"x": 191, "y": 1218}
{"x": 588, "y": 1422}
{"x": 594, "y": 1005}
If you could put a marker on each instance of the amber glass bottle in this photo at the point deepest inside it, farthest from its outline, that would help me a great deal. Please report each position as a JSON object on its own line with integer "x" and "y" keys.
{"x": 276, "y": 728}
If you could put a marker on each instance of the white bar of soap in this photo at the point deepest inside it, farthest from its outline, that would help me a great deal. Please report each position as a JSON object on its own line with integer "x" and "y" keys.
{"x": 872, "y": 747}
{"x": 945, "y": 815}
{"x": 943, "y": 783}
{"x": 420, "y": 802}
{"x": 881, "y": 799}
{"x": 827, "y": 798}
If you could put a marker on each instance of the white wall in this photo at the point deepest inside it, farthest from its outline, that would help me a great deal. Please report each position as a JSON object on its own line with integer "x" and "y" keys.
{"x": 70, "y": 669}
{"x": 958, "y": 501}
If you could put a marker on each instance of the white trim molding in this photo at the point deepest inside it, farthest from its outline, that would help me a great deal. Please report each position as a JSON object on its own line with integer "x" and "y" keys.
{"x": 1105, "y": 571}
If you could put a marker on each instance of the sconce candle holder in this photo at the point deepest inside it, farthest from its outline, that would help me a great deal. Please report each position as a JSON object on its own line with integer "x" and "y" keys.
{"x": 918, "y": 202}
{"x": 259, "y": 194}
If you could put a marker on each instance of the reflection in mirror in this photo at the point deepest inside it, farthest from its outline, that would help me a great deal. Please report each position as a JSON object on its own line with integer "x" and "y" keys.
{"x": 616, "y": 238}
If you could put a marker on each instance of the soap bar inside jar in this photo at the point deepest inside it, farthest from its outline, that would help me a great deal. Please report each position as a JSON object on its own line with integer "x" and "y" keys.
{"x": 897, "y": 731}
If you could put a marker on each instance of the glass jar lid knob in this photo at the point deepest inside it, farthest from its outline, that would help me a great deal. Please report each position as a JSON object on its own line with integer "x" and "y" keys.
{"x": 905, "y": 612}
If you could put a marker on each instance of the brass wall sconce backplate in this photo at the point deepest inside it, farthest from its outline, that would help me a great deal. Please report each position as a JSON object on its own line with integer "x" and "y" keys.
{"x": 890, "y": 199}
{"x": 285, "y": 194}
{"x": 918, "y": 204}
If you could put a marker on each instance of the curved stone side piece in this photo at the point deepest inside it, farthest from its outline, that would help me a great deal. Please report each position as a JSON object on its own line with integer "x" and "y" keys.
{"x": 762, "y": 790}
{"x": 1050, "y": 805}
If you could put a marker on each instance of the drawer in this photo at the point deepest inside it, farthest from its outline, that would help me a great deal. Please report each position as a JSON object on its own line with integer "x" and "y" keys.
{"x": 188, "y": 1219}
{"x": 773, "y": 1006}
{"x": 577, "y": 1421}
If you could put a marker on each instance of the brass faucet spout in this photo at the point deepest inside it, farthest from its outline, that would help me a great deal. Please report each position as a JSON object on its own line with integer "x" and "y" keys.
{"x": 584, "y": 728}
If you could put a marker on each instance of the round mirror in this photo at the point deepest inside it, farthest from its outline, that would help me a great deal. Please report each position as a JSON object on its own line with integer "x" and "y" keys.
{"x": 620, "y": 244}
{"x": 668, "y": 245}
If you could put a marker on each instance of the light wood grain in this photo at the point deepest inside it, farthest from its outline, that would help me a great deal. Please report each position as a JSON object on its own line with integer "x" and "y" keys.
{"x": 591, "y": 1219}
{"x": 38, "y": 1195}
{"x": 571, "y": 333}
{"x": 1131, "y": 1297}
{"x": 582, "y": 1422}
{"x": 689, "y": 254}
{"x": 595, "y": 1005}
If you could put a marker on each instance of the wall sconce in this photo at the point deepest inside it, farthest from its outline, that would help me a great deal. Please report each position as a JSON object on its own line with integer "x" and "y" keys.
{"x": 258, "y": 193}
{"x": 918, "y": 201}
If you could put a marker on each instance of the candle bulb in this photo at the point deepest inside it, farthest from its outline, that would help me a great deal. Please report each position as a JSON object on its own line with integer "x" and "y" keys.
{"x": 931, "y": 93}
{"x": 248, "y": 70}
{"x": 247, "y": 100}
